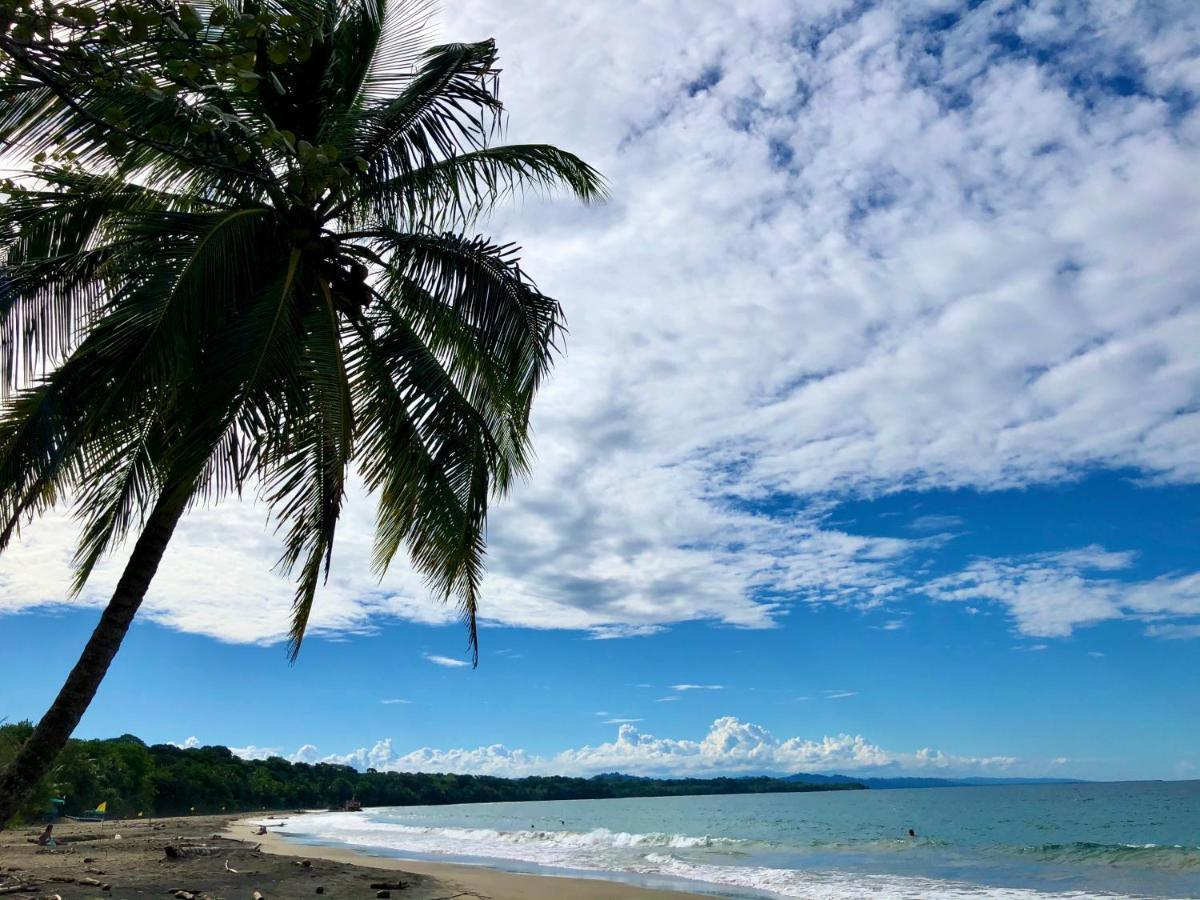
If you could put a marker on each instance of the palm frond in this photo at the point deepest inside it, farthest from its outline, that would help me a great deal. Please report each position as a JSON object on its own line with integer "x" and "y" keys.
{"x": 483, "y": 284}
{"x": 308, "y": 485}
{"x": 429, "y": 457}
{"x": 450, "y": 106}
{"x": 456, "y": 191}
{"x": 237, "y": 262}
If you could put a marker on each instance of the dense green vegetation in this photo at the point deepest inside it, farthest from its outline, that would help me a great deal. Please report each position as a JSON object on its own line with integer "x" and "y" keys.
{"x": 164, "y": 780}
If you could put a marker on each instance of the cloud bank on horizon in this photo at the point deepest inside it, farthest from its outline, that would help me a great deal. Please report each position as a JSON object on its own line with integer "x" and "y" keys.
{"x": 852, "y": 249}
{"x": 731, "y": 747}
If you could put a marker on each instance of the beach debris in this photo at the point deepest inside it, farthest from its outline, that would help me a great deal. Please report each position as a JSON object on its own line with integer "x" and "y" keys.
{"x": 383, "y": 894}
{"x": 229, "y": 868}
{"x": 74, "y": 838}
{"x": 389, "y": 885}
{"x": 20, "y": 886}
{"x": 320, "y": 890}
{"x": 190, "y": 851}
{"x": 257, "y": 896}
{"x": 89, "y": 859}
{"x": 305, "y": 863}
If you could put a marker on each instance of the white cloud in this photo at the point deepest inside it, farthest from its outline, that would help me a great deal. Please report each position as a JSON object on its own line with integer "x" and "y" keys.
{"x": 1051, "y": 594}
{"x": 932, "y": 523}
{"x": 188, "y": 744}
{"x": 306, "y": 754}
{"x": 697, "y": 687}
{"x": 448, "y": 661}
{"x": 840, "y": 695}
{"x": 395, "y": 702}
{"x": 620, "y": 721}
{"x": 875, "y": 259}
{"x": 1174, "y": 632}
{"x": 730, "y": 747}
{"x": 253, "y": 752}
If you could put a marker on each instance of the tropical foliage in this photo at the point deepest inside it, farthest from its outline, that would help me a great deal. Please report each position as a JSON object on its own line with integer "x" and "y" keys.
{"x": 232, "y": 259}
{"x": 241, "y": 260}
{"x": 168, "y": 780}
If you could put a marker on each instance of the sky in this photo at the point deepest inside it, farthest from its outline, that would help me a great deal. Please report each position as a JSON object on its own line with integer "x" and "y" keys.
{"x": 873, "y": 449}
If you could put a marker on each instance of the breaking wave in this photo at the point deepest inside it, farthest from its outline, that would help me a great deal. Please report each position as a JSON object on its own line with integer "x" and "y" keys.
{"x": 1174, "y": 857}
{"x": 722, "y": 862}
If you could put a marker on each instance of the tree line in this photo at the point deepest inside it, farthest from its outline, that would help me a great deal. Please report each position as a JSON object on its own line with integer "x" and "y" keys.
{"x": 134, "y": 778}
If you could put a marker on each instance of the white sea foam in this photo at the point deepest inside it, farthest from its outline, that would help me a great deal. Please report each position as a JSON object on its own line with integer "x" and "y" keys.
{"x": 698, "y": 858}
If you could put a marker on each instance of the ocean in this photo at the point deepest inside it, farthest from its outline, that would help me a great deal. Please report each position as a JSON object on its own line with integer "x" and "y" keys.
{"x": 1019, "y": 842}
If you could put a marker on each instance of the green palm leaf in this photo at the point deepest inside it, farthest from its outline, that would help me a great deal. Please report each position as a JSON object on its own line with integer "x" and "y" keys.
{"x": 239, "y": 260}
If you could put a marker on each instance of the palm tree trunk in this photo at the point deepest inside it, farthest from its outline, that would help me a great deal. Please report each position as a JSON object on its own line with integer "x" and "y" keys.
{"x": 48, "y": 739}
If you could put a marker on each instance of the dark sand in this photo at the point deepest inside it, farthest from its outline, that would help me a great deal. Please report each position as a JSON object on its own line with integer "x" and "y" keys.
{"x": 136, "y": 865}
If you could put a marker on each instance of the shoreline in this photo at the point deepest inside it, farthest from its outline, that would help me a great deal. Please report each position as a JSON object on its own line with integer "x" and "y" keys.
{"x": 215, "y": 857}
{"x": 472, "y": 881}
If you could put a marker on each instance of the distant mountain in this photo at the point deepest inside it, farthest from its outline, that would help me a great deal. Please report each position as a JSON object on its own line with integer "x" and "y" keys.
{"x": 876, "y": 783}
{"x": 922, "y": 782}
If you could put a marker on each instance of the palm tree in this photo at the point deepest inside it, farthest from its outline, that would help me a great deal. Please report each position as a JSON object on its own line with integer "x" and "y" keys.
{"x": 241, "y": 259}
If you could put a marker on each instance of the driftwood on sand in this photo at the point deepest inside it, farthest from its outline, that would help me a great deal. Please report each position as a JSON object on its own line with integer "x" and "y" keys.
{"x": 190, "y": 851}
{"x": 72, "y": 838}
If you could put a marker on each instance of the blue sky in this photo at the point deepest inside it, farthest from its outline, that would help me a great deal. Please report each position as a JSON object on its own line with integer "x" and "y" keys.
{"x": 877, "y": 426}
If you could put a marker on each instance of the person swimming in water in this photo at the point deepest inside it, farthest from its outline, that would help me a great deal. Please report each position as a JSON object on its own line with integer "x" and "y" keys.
{"x": 912, "y": 833}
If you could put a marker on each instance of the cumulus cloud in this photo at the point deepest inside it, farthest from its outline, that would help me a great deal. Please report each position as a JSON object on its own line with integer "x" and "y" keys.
{"x": 897, "y": 251}
{"x": 253, "y": 752}
{"x": 729, "y": 747}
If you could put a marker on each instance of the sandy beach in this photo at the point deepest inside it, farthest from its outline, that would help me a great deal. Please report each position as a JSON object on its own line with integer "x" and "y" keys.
{"x": 218, "y": 858}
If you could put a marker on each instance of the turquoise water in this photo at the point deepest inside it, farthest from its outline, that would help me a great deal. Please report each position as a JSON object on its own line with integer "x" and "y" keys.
{"x": 1138, "y": 839}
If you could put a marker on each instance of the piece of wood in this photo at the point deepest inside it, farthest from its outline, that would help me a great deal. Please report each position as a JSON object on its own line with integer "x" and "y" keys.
{"x": 72, "y": 838}
{"x": 190, "y": 851}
